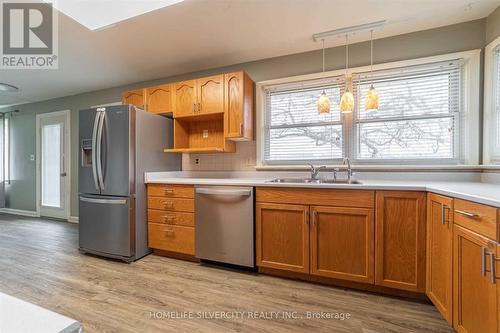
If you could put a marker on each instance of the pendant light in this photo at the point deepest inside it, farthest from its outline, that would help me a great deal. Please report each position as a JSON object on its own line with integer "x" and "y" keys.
{"x": 372, "y": 100}
{"x": 347, "y": 100}
{"x": 323, "y": 101}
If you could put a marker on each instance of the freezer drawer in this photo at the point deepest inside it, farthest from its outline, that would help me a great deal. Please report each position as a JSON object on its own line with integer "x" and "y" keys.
{"x": 106, "y": 226}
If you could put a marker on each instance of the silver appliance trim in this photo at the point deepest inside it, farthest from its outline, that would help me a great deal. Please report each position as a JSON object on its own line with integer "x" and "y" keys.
{"x": 99, "y": 150}
{"x": 211, "y": 191}
{"x": 104, "y": 201}
{"x": 94, "y": 145}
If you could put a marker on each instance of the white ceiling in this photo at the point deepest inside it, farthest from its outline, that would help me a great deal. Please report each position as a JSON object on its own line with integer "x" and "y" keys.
{"x": 201, "y": 34}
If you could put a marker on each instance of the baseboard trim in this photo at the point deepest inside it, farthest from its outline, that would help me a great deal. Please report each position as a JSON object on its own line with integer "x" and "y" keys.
{"x": 73, "y": 219}
{"x": 19, "y": 212}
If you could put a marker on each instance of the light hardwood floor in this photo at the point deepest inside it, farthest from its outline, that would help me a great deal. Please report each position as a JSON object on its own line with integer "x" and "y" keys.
{"x": 40, "y": 263}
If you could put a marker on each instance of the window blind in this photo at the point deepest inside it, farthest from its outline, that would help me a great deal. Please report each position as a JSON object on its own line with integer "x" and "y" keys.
{"x": 418, "y": 116}
{"x": 294, "y": 130}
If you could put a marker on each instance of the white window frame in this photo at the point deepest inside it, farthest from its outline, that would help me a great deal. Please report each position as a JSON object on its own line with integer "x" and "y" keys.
{"x": 489, "y": 116}
{"x": 471, "y": 105}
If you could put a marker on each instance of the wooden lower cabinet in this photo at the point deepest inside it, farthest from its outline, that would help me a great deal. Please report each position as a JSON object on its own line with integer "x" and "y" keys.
{"x": 475, "y": 308}
{"x": 178, "y": 239}
{"x": 400, "y": 240}
{"x": 342, "y": 243}
{"x": 439, "y": 281}
{"x": 282, "y": 236}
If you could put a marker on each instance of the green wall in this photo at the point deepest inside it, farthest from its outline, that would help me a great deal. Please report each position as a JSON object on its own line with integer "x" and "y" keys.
{"x": 21, "y": 193}
{"x": 493, "y": 26}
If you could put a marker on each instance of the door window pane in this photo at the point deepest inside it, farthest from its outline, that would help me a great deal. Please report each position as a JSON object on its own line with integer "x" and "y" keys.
{"x": 51, "y": 165}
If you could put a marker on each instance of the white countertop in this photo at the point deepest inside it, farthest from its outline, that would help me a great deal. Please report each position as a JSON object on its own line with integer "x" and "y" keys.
{"x": 485, "y": 193}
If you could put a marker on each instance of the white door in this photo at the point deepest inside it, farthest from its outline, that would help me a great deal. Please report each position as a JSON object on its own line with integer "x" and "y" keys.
{"x": 53, "y": 164}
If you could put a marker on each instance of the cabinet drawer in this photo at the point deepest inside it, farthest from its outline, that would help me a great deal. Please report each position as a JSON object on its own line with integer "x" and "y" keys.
{"x": 476, "y": 217}
{"x": 174, "y": 218}
{"x": 167, "y": 190}
{"x": 172, "y": 238}
{"x": 171, "y": 204}
{"x": 319, "y": 197}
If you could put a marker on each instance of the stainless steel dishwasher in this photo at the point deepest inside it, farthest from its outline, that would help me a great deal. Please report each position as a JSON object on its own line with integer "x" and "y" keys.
{"x": 224, "y": 217}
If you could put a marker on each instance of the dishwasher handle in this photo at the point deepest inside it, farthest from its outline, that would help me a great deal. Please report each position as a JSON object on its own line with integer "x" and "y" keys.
{"x": 231, "y": 192}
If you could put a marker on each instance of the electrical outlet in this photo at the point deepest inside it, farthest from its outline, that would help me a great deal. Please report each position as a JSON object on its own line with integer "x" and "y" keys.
{"x": 205, "y": 134}
{"x": 197, "y": 161}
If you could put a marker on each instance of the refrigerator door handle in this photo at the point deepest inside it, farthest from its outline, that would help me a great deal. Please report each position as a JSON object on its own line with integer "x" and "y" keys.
{"x": 99, "y": 151}
{"x": 104, "y": 201}
{"x": 94, "y": 145}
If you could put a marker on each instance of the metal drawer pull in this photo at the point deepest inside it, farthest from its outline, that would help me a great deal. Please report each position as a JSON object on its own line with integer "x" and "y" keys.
{"x": 167, "y": 203}
{"x": 483, "y": 261}
{"x": 168, "y": 218}
{"x": 169, "y": 191}
{"x": 443, "y": 208}
{"x": 170, "y": 232}
{"x": 492, "y": 268}
{"x": 468, "y": 214}
{"x": 223, "y": 192}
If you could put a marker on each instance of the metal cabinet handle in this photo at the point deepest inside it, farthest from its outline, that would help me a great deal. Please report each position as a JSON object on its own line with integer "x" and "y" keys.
{"x": 483, "y": 261}
{"x": 442, "y": 213}
{"x": 167, "y": 203}
{"x": 315, "y": 216}
{"x": 306, "y": 218}
{"x": 170, "y": 232}
{"x": 492, "y": 268}
{"x": 199, "y": 107}
{"x": 194, "y": 107}
{"x": 168, "y": 218}
{"x": 169, "y": 191}
{"x": 468, "y": 214}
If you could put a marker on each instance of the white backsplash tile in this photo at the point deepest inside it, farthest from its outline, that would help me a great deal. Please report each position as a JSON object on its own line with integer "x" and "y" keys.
{"x": 243, "y": 160}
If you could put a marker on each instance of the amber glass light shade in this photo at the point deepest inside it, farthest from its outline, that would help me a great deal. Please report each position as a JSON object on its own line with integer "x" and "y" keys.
{"x": 372, "y": 100}
{"x": 323, "y": 103}
{"x": 347, "y": 102}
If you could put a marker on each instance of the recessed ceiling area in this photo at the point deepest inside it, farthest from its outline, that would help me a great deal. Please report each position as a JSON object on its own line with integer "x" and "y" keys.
{"x": 199, "y": 34}
{"x": 98, "y": 14}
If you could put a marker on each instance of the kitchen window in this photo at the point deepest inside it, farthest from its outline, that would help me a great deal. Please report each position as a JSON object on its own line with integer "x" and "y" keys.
{"x": 428, "y": 115}
{"x": 492, "y": 103}
{"x": 418, "y": 116}
{"x": 294, "y": 130}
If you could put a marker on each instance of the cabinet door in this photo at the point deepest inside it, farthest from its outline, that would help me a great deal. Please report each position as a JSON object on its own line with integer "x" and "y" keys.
{"x": 400, "y": 240}
{"x": 238, "y": 99}
{"x": 440, "y": 253}
{"x": 342, "y": 243}
{"x": 159, "y": 99}
{"x": 185, "y": 98}
{"x": 282, "y": 233}
{"x": 474, "y": 294}
{"x": 210, "y": 94}
{"x": 134, "y": 97}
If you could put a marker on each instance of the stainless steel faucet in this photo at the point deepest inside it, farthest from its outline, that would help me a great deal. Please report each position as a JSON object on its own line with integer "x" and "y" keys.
{"x": 315, "y": 171}
{"x": 349, "y": 168}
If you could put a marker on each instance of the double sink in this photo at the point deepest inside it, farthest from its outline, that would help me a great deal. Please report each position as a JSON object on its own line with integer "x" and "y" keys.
{"x": 314, "y": 177}
{"x": 312, "y": 181}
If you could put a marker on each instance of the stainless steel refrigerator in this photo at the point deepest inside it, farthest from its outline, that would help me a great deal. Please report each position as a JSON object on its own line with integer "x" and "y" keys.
{"x": 117, "y": 145}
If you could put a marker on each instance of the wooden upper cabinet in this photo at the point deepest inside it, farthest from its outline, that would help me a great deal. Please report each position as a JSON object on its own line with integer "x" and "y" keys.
{"x": 210, "y": 95}
{"x": 400, "y": 240}
{"x": 159, "y": 99}
{"x": 474, "y": 294}
{"x": 343, "y": 243}
{"x": 134, "y": 97}
{"x": 238, "y": 99}
{"x": 185, "y": 98}
{"x": 282, "y": 236}
{"x": 439, "y": 281}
